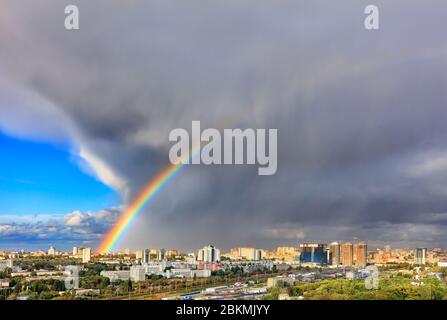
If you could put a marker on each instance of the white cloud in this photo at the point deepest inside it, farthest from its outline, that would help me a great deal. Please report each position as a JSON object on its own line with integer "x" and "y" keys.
{"x": 431, "y": 163}
{"x": 27, "y": 114}
{"x": 75, "y": 225}
{"x": 103, "y": 171}
{"x": 73, "y": 219}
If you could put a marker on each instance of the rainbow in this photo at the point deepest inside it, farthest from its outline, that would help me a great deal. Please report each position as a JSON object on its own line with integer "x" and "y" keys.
{"x": 148, "y": 193}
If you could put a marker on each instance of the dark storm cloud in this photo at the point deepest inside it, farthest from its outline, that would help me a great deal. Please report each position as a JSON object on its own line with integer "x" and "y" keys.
{"x": 360, "y": 114}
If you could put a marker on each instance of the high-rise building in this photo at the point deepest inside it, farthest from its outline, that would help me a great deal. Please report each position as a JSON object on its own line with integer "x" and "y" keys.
{"x": 127, "y": 252}
{"x": 314, "y": 253}
{"x": 146, "y": 256}
{"x": 334, "y": 249}
{"x": 420, "y": 254}
{"x": 258, "y": 255}
{"x": 161, "y": 253}
{"x": 387, "y": 249}
{"x": 139, "y": 255}
{"x": 75, "y": 251}
{"x": 347, "y": 254}
{"x": 360, "y": 254}
{"x": 86, "y": 255}
{"x": 137, "y": 273}
{"x": 209, "y": 254}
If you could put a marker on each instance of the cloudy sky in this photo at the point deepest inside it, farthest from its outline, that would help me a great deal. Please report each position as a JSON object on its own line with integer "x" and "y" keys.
{"x": 362, "y": 139}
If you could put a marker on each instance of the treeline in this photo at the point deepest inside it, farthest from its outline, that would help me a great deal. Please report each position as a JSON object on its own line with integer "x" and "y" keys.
{"x": 398, "y": 288}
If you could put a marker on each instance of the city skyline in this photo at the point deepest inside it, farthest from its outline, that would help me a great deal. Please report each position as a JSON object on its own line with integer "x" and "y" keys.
{"x": 224, "y": 250}
{"x": 351, "y": 255}
{"x": 346, "y": 270}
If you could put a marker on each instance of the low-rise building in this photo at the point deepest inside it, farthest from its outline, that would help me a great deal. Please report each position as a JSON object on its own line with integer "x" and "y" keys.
{"x": 116, "y": 275}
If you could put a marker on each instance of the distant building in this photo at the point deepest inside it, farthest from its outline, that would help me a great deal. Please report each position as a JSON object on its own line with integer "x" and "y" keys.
{"x": 75, "y": 251}
{"x": 5, "y": 264}
{"x": 154, "y": 268}
{"x": 71, "y": 276}
{"x": 314, "y": 253}
{"x": 116, "y": 275}
{"x": 86, "y": 255}
{"x": 334, "y": 250}
{"x": 190, "y": 258}
{"x": 51, "y": 251}
{"x": 201, "y": 273}
{"x": 161, "y": 254}
{"x": 287, "y": 254}
{"x": 245, "y": 254}
{"x": 209, "y": 254}
{"x": 347, "y": 254}
{"x": 187, "y": 273}
{"x": 442, "y": 263}
{"x": 146, "y": 256}
{"x": 258, "y": 255}
{"x": 137, "y": 273}
{"x": 172, "y": 253}
{"x": 139, "y": 255}
{"x": 360, "y": 254}
{"x": 420, "y": 255}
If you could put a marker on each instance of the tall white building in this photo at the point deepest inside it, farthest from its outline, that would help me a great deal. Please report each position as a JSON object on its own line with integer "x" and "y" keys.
{"x": 146, "y": 256}
{"x": 75, "y": 251}
{"x": 86, "y": 255}
{"x": 161, "y": 254}
{"x": 258, "y": 255}
{"x": 209, "y": 254}
{"x": 51, "y": 251}
{"x": 137, "y": 273}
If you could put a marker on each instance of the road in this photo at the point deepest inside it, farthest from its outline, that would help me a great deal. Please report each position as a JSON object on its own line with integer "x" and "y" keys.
{"x": 166, "y": 291}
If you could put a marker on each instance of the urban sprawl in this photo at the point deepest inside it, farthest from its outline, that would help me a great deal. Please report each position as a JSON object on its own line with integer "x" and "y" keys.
{"x": 338, "y": 270}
